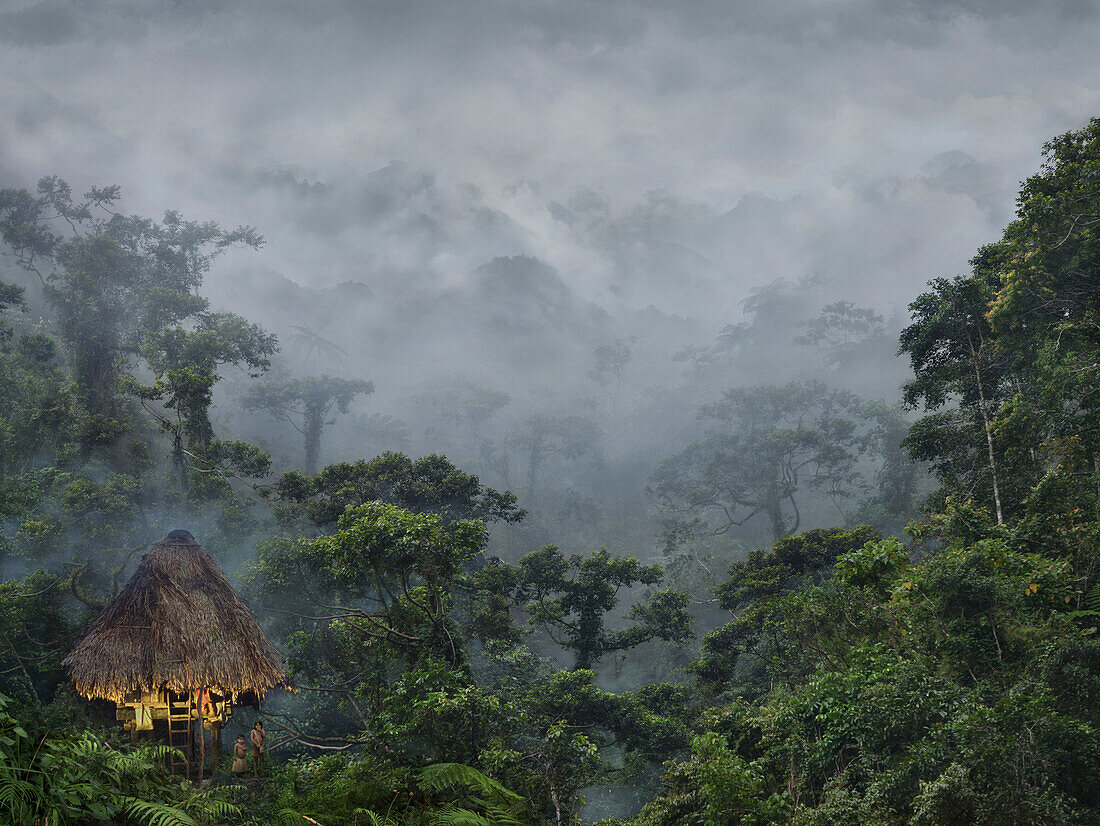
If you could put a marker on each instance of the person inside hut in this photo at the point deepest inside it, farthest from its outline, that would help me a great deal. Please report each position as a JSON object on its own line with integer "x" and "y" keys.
{"x": 258, "y": 735}
{"x": 240, "y": 756}
{"x": 204, "y": 703}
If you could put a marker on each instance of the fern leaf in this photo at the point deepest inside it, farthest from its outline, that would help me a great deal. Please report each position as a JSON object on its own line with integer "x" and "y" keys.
{"x": 158, "y": 814}
{"x": 455, "y": 816}
{"x": 449, "y": 775}
{"x": 1092, "y": 598}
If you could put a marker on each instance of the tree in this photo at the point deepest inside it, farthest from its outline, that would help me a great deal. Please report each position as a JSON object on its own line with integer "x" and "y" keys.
{"x": 955, "y": 358}
{"x": 752, "y": 595}
{"x": 839, "y": 331}
{"x": 385, "y": 430}
{"x": 773, "y": 442}
{"x": 372, "y": 599}
{"x": 114, "y": 281}
{"x": 610, "y": 362}
{"x": 10, "y": 296}
{"x": 311, "y": 400}
{"x": 430, "y": 484}
{"x": 899, "y": 480}
{"x": 1005, "y": 358}
{"x": 316, "y": 345}
{"x": 609, "y": 369}
{"x": 542, "y": 436}
{"x": 1047, "y": 304}
{"x": 36, "y": 420}
{"x": 469, "y": 408}
{"x": 185, "y": 365}
{"x": 571, "y": 598}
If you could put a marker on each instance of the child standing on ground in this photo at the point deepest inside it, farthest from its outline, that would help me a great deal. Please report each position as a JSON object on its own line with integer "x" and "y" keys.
{"x": 258, "y": 735}
{"x": 240, "y": 757}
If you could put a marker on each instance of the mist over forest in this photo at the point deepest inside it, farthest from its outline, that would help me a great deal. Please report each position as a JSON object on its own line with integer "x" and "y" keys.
{"x": 621, "y": 413}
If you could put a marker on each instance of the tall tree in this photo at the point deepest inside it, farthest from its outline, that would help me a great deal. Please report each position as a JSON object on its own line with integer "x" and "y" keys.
{"x": 467, "y": 408}
{"x": 186, "y": 362}
{"x": 839, "y": 331}
{"x": 114, "y": 281}
{"x": 571, "y": 598}
{"x": 1047, "y": 308}
{"x": 306, "y": 404}
{"x": 958, "y": 366}
{"x": 541, "y": 437}
{"x": 769, "y": 445}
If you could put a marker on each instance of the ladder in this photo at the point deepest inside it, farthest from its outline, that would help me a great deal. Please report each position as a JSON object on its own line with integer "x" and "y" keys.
{"x": 179, "y": 732}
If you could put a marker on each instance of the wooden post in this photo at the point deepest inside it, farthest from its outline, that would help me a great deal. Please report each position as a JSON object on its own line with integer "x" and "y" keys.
{"x": 202, "y": 733}
{"x": 215, "y": 745}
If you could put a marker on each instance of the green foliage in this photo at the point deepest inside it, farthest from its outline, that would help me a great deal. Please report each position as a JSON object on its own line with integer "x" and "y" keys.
{"x": 430, "y": 484}
{"x": 760, "y": 594}
{"x": 399, "y": 566}
{"x": 116, "y": 282}
{"x": 951, "y": 677}
{"x": 185, "y": 364}
{"x": 78, "y": 779}
{"x": 768, "y": 445}
{"x": 342, "y": 792}
{"x": 715, "y": 787}
{"x": 571, "y": 598}
{"x": 11, "y": 295}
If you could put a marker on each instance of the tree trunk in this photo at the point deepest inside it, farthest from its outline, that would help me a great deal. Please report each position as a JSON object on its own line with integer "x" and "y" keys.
{"x": 775, "y": 513}
{"x": 313, "y": 423}
{"x": 558, "y": 815}
{"x": 988, "y": 433}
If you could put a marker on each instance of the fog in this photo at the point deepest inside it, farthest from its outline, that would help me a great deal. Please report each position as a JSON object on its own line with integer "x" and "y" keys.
{"x": 465, "y": 202}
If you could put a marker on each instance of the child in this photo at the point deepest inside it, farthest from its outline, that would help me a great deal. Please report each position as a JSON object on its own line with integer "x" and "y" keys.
{"x": 257, "y": 735}
{"x": 240, "y": 757}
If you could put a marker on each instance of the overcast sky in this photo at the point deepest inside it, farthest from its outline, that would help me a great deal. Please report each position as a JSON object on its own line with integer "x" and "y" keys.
{"x": 558, "y": 129}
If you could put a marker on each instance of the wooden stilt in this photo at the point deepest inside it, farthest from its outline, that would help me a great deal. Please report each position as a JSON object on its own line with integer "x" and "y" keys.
{"x": 202, "y": 733}
{"x": 215, "y": 745}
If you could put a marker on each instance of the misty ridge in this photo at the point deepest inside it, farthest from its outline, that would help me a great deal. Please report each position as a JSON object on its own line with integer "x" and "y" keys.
{"x": 668, "y": 284}
{"x": 564, "y": 349}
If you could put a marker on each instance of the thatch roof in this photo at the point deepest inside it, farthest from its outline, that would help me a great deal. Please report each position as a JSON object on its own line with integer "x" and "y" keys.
{"x": 179, "y": 624}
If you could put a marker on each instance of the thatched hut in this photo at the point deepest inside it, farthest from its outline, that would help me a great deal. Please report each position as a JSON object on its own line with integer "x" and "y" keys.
{"x": 177, "y": 644}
